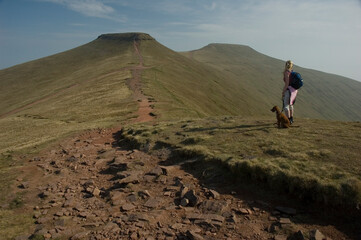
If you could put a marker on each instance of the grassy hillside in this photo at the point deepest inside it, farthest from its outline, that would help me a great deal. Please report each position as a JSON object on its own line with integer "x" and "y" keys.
{"x": 317, "y": 161}
{"x": 324, "y": 96}
{"x": 86, "y": 87}
{"x": 183, "y": 87}
{"x": 78, "y": 89}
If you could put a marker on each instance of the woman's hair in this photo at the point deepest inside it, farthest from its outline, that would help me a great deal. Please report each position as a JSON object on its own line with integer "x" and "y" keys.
{"x": 289, "y": 65}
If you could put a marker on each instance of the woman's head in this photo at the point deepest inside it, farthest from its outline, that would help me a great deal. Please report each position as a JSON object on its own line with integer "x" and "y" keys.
{"x": 289, "y": 65}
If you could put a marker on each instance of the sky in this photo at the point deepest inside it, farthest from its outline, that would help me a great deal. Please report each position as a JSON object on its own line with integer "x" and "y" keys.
{"x": 319, "y": 34}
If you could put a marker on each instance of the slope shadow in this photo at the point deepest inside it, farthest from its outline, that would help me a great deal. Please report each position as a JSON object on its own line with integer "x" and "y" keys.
{"x": 214, "y": 175}
{"x": 253, "y": 127}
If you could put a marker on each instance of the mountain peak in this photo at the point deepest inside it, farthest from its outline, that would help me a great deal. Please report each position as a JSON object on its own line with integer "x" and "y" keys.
{"x": 126, "y": 36}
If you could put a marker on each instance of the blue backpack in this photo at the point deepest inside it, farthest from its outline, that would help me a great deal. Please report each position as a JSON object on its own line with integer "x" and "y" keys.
{"x": 296, "y": 80}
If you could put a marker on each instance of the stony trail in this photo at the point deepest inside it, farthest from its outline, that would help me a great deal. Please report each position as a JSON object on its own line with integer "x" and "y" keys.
{"x": 89, "y": 187}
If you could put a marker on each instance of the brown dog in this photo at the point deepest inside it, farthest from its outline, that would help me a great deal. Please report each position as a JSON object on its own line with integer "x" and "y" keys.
{"x": 282, "y": 120}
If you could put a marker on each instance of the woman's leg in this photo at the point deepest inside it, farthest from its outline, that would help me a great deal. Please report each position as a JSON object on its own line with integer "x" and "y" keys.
{"x": 286, "y": 104}
{"x": 291, "y": 114}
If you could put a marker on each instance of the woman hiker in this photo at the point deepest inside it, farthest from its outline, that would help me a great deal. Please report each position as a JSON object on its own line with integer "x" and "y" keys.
{"x": 288, "y": 93}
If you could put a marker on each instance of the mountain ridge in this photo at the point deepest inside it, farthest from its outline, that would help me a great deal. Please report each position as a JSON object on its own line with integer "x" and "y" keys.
{"x": 242, "y": 62}
{"x": 245, "y": 80}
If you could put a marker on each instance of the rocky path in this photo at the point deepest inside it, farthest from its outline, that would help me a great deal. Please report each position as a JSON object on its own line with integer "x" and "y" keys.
{"x": 88, "y": 187}
{"x": 145, "y": 110}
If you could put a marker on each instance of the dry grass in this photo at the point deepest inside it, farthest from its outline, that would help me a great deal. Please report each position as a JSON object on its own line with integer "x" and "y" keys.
{"x": 315, "y": 160}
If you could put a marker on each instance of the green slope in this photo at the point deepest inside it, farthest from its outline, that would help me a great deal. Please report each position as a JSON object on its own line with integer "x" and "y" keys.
{"x": 184, "y": 87}
{"x": 82, "y": 88}
{"x": 85, "y": 87}
{"x": 324, "y": 96}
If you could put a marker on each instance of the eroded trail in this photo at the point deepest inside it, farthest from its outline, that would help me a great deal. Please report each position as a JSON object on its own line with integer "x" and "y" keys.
{"x": 145, "y": 110}
{"x": 90, "y": 187}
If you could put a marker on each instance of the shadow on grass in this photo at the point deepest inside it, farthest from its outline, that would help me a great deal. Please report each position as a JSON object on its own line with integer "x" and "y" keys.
{"x": 217, "y": 175}
{"x": 251, "y": 127}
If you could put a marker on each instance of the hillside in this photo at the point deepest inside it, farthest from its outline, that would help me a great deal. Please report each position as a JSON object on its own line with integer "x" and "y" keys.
{"x": 324, "y": 96}
{"x": 125, "y": 138}
{"x": 79, "y": 89}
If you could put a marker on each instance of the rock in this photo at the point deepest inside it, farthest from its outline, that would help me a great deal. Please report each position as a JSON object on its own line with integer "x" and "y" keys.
{"x": 280, "y": 237}
{"x": 80, "y": 236}
{"x": 132, "y": 178}
{"x": 177, "y": 226}
{"x": 24, "y": 185}
{"x": 134, "y": 236}
{"x": 36, "y": 215}
{"x": 118, "y": 167}
{"x": 84, "y": 214}
{"x": 184, "y": 202}
{"x": 230, "y": 217}
{"x": 59, "y": 214}
{"x": 297, "y": 236}
{"x": 132, "y": 198}
{"x": 47, "y": 235}
{"x": 171, "y": 189}
{"x": 43, "y": 220}
{"x": 285, "y": 221}
{"x": 191, "y": 196}
{"x": 211, "y": 206}
{"x": 127, "y": 207}
{"x": 214, "y": 194}
{"x": 271, "y": 218}
{"x": 316, "y": 235}
{"x": 88, "y": 183}
{"x": 213, "y": 217}
{"x": 144, "y": 194}
{"x": 244, "y": 211}
{"x": 165, "y": 170}
{"x": 72, "y": 159}
{"x": 71, "y": 202}
{"x": 59, "y": 223}
{"x": 286, "y": 210}
{"x": 110, "y": 226}
{"x": 273, "y": 228}
{"x": 193, "y": 236}
{"x": 152, "y": 203}
{"x": 96, "y": 192}
{"x": 157, "y": 171}
{"x": 44, "y": 194}
{"x": 117, "y": 198}
{"x": 183, "y": 191}
{"x": 149, "y": 178}
{"x": 167, "y": 194}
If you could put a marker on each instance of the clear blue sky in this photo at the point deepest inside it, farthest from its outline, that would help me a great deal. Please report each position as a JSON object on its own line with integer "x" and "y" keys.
{"x": 318, "y": 34}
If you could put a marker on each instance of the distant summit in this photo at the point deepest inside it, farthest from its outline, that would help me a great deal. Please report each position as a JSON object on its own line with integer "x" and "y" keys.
{"x": 125, "y": 36}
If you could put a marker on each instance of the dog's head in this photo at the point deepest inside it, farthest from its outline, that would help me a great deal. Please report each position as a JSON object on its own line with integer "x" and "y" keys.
{"x": 275, "y": 108}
